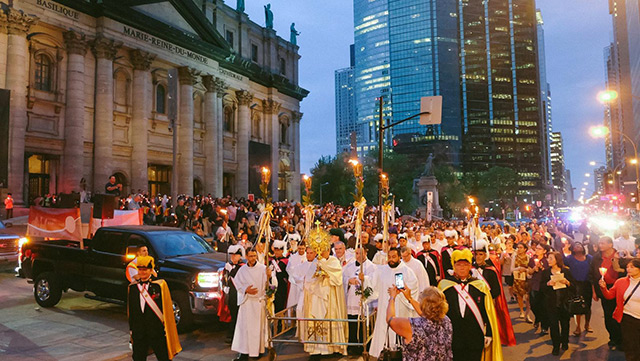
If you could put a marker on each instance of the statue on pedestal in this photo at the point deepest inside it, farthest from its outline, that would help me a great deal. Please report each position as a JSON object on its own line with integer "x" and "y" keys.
{"x": 428, "y": 167}
{"x": 268, "y": 16}
{"x": 294, "y": 34}
{"x": 240, "y": 6}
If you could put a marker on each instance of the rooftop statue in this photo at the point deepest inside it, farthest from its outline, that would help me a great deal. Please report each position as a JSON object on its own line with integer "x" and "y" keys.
{"x": 294, "y": 34}
{"x": 268, "y": 16}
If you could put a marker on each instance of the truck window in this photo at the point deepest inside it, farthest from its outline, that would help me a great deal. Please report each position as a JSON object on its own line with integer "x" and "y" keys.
{"x": 111, "y": 242}
{"x": 136, "y": 240}
{"x": 172, "y": 244}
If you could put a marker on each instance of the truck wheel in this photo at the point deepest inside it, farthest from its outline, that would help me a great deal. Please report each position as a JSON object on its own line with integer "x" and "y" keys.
{"x": 182, "y": 311}
{"x": 47, "y": 290}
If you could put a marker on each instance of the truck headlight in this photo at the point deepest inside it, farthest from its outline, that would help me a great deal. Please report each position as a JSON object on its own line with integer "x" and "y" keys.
{"x": 22, "y": 241}
{"x": 208, "y": 279}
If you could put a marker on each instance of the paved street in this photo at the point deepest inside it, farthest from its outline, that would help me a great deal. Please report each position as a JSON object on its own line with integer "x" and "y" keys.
{"x": 83, "y": 329}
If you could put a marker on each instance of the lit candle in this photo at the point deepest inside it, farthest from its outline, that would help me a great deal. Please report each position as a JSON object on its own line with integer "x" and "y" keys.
{"x": 265, "y": 175}
{"x": 384, "y": 181}
{"x": 307, "y": 182}
{"x": 603, "y": 271}
{"x": 536, "y": 261}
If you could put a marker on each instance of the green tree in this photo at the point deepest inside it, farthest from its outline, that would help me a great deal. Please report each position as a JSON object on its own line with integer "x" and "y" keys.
{"x": 338, "y": 174}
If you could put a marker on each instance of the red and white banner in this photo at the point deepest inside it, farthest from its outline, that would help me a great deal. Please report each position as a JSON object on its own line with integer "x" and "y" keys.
{"x": 120, "y": 218}
{"x": 62, "y": 223}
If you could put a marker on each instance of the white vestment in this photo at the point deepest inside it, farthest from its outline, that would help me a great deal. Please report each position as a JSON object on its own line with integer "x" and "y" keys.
{"x": 380, "y": 258}
{"x": 380, "y": 281}
{"x": 324, "y": 299}
{"x": 350, "y": 271}
{"x": 295, "y": 289}
{"x": 439, "y": 243}
{"x": 250, "y": 336}
{"x": 300, "y": 274}
{"x": 420, "y": 272}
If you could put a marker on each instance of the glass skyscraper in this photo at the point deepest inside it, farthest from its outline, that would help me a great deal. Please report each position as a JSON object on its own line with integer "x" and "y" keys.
{"x": 481, "y": 56}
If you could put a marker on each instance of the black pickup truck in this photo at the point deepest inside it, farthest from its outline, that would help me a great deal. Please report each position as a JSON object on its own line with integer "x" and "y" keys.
{"x": 191, "y": 268}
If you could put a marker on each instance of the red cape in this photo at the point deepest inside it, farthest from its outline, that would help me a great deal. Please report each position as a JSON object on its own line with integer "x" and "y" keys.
{"x": 507, "y": 337}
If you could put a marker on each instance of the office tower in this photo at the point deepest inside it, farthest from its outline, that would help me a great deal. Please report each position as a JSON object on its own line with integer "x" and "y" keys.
{"x": 545, "y": 103}
{"x": 622, "y": 58}
{"x": 600, "y": 175}
{"x": 481, "y": 56}
{"x": 501, "y": 94}
{"x": 345, "y": 107}
{"x": 558, "y": 176}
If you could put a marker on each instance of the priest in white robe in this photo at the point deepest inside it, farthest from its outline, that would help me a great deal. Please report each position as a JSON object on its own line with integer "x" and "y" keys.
{"x": 295, "y": 288}
{"x": 417, "y": 268}
{"x": 250, "y": 337}
{"x": 299, "y": 275}
{"x": 383, "y": 279}
{"x": 324, "y": 298}
{"x": 352, "y": 284}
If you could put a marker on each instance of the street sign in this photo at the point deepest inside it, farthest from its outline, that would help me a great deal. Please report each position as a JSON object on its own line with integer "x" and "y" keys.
{"x": 432, "y": 105}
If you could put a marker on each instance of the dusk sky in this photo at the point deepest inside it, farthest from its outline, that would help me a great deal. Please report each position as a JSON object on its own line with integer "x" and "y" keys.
{"x": 576, "y": 32}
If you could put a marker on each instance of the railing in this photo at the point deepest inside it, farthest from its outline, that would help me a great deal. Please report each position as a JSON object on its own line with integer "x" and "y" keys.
{"x": 281, "y": 323}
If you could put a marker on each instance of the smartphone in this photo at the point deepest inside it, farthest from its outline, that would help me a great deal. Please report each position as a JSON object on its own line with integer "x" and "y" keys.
{"x": 400, "y": 281}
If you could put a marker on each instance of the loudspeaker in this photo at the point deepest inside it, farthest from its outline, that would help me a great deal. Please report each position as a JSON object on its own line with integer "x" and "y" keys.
{"x": 68, "y": 200}
{"x": 103, "y": 206}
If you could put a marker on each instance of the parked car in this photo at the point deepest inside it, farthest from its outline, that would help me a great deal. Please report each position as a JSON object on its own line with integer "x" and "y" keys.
{"x": 9, "y": 244}
{"x": 191, "y": 268}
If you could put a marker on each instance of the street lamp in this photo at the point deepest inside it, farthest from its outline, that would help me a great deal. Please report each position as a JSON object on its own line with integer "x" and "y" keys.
{"x": 602, "y": 131}
{"x": 607, "y": 96}
{"x": 322, "y": 185}
{"x": 587, "y": 175}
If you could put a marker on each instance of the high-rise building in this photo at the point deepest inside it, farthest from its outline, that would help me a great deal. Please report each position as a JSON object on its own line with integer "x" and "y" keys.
{"x": 558, "y": 174}
{"x": 501, "y": 96}
{"x": 481, "y": 56}
{"x": 345, "y": 107}
{"x": 599, "y": 178}
{"x": 622, "y": 58}
{"x": 569, "y": 187}
{"x": 545, "y": 102}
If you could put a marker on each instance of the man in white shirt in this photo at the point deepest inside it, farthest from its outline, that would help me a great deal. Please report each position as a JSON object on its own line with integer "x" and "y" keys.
{"x": 351, "y": 284}
{"x": 339, "y": 250}
{"x": 626, "y": 242}
{"x": 440, "y": 241}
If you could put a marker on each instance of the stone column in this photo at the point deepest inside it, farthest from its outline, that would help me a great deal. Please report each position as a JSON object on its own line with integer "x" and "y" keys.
{"x": 187, "y": 77}
{"x": 221, "y": 92}
{"x": 3, "y": 48}
{"x": 211, "y": 135}
{"x": 295, "y": 164}
{"x": 141, "y": 61}
{"x": 73, "y": 156}
{"x": 105, "y": 52}
{"x": 242, "y": 147}
{"x": 271, "y": 109}
{"x": 17, "y": 80}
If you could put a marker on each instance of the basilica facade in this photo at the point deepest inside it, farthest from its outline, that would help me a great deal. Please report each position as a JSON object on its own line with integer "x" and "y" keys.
{"x": 101, "y": 88}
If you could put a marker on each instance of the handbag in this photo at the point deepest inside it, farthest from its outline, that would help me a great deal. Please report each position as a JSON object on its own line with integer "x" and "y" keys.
{"x": 576, "y": 305}
{"x": 387, "y": 354}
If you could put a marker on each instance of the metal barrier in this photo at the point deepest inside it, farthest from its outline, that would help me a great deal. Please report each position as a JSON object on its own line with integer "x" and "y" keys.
{"x": 281, "y": 323}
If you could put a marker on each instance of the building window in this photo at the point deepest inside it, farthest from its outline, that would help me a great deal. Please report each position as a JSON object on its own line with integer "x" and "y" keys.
{"x": 159, "y": 179}
{"x": 254, "y": 53}
{"x": 283, "y": 133}
{"x": 255, "y": 130}
{"x": 43, "y": 73}
{"x": 228, "y": 119}
{"x": 161, "y": 97}
{"x": 283, "y": 66}
{"x": 229, "y": 37}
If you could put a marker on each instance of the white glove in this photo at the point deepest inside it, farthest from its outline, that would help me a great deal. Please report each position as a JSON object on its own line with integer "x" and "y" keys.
{"x": 487, "y": 341}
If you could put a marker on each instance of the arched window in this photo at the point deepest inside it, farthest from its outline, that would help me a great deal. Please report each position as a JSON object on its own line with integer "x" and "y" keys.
{"x": 44, "y": 73}
{"x": 283, "y": 133}
{"x": 228, "y": 119}
{"x": 161, "y": 96}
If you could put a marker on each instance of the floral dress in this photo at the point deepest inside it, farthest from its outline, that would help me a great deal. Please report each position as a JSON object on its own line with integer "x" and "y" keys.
{"x": 521, "y": 287}
{"x": 430, "y": 341}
